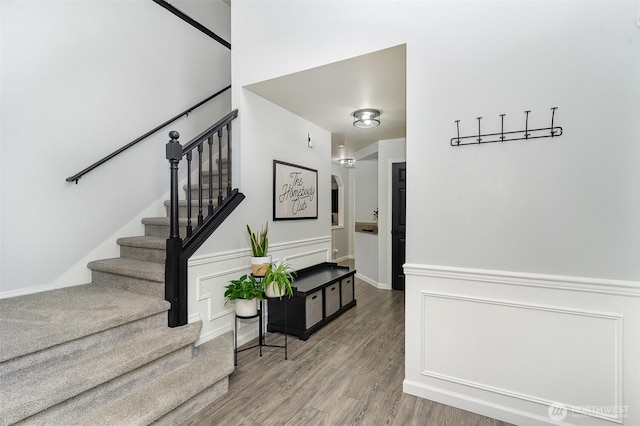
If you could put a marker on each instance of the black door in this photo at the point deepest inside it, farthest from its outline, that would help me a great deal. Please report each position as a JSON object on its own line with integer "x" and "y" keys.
{"x": 398, "y": 224}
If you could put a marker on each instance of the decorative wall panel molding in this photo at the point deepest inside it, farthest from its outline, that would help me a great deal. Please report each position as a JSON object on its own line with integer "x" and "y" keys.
{"x": 210, "y": 273}
{"x": 516, "y": 346}
{"x": 550, "y": 334}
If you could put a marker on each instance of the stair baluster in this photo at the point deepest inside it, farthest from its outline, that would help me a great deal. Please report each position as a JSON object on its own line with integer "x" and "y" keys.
{"x": 210, "y": 141}
{"x": 189, "y": 225}
{"x": 220, "y": 166}
{"x": 229, "y": 159}
{"x": 200, "y": 216}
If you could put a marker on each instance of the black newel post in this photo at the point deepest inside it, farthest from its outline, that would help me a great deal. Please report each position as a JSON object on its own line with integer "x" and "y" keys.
{"x": 175, "y": 288}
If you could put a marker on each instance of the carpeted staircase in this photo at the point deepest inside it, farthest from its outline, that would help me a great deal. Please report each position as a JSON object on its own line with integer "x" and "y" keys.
{"x": 102, "y": 354}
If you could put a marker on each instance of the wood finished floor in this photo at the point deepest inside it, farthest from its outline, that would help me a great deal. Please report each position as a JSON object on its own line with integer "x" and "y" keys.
{"x": 348, "y": 373}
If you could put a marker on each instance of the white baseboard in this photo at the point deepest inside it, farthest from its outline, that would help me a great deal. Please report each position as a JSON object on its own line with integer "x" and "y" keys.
{"x": 343, "y": 258}
{"x": 367, "y": 279}
{"x": 464, "y": 402}
{"x": 370, "y": 281}
{"x": 32, "y": 290}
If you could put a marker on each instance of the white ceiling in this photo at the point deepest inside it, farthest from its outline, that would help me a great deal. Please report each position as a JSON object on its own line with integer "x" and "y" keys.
{"x": 328, "y": 95}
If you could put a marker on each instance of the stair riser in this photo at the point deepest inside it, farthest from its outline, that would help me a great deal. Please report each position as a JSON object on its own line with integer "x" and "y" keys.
{"x": 162, "y": 231}
{"x": 194, "y": 405}
{"x": 182, "y": 209}
{"x": 136, "y": 285}
{"x": 205, "y": 178}
{"x": 205, "y": 193}
{"x": 141, "y": 253}
{"x": 84, "y": 344}
{"x": 205, "y": 199}
{"x": 72, "y": 410}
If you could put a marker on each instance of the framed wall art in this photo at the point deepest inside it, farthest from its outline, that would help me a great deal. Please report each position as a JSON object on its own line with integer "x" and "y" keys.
{"x": 295, "y": 192}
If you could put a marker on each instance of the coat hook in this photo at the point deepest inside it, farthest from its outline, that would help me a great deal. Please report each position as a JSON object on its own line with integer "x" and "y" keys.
{"x": 553, "y": 113}
{"x": 504, "y": 135}
{"x": 526, "y": 125}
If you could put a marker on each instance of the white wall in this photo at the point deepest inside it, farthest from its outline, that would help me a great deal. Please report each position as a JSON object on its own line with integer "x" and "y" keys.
{"x": 1, "y": 144}
{"x": 213, "y": 14}
{"x": 366, "y": 195}
{"x": 79, "y": 80}
{"x": 366, "y": 257}
{"x": 373, "y": 188}
{"x": 342, "y": 236}
{"x": 268, "y": 133}
{"x": 547, "y": 191}
{"x": 565, "y": 210}
{"x": 365, "y": 202}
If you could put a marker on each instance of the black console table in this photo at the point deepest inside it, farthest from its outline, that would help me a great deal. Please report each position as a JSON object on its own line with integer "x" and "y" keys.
{"x": 321, "y": 293}
{"x": 261, "y": 338}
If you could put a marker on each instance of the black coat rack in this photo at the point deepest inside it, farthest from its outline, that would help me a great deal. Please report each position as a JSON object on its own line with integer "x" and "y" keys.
{"x": 516, "y": 135}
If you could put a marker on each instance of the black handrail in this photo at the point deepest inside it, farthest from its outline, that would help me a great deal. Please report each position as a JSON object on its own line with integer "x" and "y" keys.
{"x": 180, "y": 14}
{"x": 78, "y": 175}
{"x": 211, "y": 130}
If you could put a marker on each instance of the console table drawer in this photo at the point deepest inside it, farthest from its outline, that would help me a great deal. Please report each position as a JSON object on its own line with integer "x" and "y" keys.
{"x": 346, "y": 289}
{"x": 313, "y": 305}
{"x": 332, "y": 298}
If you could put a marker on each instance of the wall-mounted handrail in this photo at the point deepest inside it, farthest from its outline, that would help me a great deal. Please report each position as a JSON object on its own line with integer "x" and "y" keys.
{"x": 186, "y": 112}
{"x": 180, "y": 14}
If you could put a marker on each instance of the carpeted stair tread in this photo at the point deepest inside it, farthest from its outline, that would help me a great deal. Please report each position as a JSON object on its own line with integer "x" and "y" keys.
{"x": 38, "y": 321}
{"x": 194, "y": 203}
{"x": 163, "y": 221}
{"x": 205, "y": 187}
{"x": 167, "y": 203}
{"x": 151, "y": 271}
{"x": 149, "y": 400}
{"x": 25, "y": 393}
{"x": 212, "y": 362}
{"x": 147, "y": 248}
{"x": 156, "y": 243}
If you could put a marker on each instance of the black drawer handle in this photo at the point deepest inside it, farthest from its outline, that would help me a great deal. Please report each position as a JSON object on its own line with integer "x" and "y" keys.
{"x": 333, "y": 288}
{"x": 314, "y": 297}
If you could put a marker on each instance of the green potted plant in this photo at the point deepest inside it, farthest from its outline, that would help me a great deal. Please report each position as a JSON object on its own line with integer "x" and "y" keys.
{"x": 277, "y": 281}
{"x": 246, "y": 291}
{"x": 260, "y": 260}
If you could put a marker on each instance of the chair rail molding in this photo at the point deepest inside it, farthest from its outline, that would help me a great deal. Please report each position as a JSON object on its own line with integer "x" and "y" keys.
{"x": 592, "y": 285}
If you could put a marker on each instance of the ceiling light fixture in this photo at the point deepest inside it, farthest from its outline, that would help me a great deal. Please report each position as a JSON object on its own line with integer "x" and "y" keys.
{"x": 347, "y": 162}
{"x": 366, "y": 118}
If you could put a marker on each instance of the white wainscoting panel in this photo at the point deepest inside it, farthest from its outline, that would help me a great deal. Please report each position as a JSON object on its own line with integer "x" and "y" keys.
{"x": 527, "y": 349}
{"x": 209, "y": 274}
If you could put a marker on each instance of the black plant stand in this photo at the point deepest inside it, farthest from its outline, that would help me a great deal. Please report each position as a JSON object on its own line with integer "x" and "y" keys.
{"x": 261, "y": 338}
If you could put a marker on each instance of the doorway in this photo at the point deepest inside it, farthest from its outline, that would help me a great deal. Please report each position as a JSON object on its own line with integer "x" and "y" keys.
{"x": 398, "y": 223}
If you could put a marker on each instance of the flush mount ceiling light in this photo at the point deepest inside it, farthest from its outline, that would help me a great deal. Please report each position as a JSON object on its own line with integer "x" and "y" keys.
{"x": 347, "y": 162}
{"x": 366, "y": 118}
